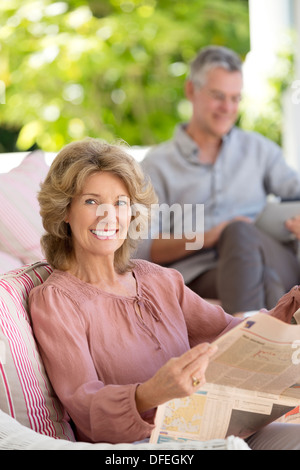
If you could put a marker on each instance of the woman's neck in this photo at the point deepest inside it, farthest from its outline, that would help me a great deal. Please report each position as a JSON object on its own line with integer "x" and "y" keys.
{"x": 101, "y": 273}
{"x": 94, "y": 269}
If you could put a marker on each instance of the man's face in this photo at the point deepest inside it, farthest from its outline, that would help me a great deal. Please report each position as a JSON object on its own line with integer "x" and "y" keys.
{"x": 216, "y": 103}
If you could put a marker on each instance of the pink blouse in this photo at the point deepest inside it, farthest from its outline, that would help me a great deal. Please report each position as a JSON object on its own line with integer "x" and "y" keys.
{"x": 97, "y": 349}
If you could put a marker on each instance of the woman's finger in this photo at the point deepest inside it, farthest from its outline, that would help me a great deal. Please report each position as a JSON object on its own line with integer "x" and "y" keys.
{"x": 195, "y": 370}
{"x": 195, "y": 354}
{"x": 195, "y": 359}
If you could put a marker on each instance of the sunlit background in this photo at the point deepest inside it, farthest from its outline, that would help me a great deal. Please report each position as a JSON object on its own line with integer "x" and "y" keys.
{"x": 115, "y": 69}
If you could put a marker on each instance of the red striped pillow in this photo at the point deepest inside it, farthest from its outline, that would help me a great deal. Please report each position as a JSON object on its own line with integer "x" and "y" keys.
{"x": 20, "y": 221}
{"x": 25, "y": 390}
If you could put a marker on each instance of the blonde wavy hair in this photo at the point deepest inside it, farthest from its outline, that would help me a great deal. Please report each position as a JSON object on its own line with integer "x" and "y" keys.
{"x": 65, "y": 180}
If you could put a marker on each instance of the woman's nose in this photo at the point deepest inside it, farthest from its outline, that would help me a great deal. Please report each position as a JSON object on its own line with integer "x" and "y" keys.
{"x": 106, "y": 213}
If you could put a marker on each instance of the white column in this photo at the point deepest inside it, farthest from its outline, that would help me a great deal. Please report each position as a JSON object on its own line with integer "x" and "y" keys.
{"x": 270, "y": 24}
{"x": 291, "y": 127}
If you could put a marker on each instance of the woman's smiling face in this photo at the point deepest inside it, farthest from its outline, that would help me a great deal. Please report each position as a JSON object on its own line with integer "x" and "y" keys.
{"x": 100, "y": 215}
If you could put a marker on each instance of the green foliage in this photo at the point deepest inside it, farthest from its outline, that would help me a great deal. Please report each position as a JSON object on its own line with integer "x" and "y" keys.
{"x": 113, "y": 69}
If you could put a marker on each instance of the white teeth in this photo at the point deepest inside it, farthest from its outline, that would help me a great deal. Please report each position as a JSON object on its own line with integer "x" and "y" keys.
{"x": 104, "y": 233}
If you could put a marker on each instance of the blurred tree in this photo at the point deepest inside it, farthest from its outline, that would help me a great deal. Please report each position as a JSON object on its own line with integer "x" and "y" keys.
{"x": 112, "y": 69}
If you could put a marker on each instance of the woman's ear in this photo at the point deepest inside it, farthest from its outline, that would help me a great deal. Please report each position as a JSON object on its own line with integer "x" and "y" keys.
{"x": 66, "y": 218}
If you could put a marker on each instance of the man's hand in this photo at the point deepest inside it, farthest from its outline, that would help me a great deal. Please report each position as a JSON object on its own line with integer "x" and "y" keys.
{"x": 293, "y": 225}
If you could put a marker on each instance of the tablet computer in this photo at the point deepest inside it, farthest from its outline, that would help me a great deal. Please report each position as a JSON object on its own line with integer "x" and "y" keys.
{"x": 272, "y": 219}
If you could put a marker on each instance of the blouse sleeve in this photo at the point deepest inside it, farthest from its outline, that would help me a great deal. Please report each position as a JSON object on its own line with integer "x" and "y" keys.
{"x": 206, "y": 322}
{"x": 101, "y": 413}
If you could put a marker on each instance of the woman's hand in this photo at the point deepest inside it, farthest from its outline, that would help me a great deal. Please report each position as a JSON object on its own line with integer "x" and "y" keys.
{"x": 178, "y": 378}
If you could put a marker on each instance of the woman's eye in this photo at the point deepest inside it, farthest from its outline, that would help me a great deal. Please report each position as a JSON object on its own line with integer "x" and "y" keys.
{"x": 122, "y": 202}
{"x": 90, "y": 201}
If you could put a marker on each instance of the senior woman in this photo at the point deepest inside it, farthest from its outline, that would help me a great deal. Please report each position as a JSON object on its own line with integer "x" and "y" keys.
{"x": 118, "y": 336}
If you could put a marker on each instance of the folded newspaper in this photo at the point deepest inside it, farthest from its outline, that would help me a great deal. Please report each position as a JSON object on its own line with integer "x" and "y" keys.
{"x": 253, "y": 379}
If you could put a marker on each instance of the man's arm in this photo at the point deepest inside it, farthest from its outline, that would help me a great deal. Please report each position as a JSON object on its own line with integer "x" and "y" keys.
{"x": 169, "y": 250}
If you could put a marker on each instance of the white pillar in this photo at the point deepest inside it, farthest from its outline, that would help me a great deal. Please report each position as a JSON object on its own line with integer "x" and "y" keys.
{"x": 291, "y": 124}
{"x": 294, "y": 122}
{"x": 270, "y": 24}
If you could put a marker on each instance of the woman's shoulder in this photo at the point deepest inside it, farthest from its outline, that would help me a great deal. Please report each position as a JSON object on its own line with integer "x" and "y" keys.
{"x": 144, "y": 267}
{"x": 59, "y": 279}
{"x": 59, "y": 284}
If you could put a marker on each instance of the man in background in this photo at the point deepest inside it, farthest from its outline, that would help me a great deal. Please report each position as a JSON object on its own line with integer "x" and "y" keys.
{"x": 231, "y": 172}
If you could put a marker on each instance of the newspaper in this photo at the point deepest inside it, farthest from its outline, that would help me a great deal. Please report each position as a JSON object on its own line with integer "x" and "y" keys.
{"x": 253, "y": 379}
{"x": 293, "y": 417}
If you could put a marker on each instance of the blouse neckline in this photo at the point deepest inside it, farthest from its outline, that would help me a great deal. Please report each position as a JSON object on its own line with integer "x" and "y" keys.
{"x": 91, "y": 287}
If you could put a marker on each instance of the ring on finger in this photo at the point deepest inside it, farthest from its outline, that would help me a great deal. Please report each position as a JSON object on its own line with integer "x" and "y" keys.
{"x": 195, "y": 381}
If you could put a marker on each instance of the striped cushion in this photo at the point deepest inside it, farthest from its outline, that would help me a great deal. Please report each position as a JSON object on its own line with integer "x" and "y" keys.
{"x": 20, "y": 221}
{"x": 25, "y": 391}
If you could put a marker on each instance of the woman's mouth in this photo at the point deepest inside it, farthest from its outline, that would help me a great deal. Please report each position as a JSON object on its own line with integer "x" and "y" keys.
{"x": 104, "y": 234}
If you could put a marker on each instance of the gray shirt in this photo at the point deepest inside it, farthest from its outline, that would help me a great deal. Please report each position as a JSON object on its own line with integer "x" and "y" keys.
{"x": 248, "y": 168}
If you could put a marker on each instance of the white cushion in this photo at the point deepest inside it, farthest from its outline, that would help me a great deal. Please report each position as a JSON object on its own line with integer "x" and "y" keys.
{"x": 25, "y": 391}
{"x": 13, "y": 436}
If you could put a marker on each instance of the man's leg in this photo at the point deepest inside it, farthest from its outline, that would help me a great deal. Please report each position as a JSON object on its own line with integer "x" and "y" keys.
{"x": 276, "y": 436}
{"x": 254, "y": 270}
{"x": 206, "y": 285}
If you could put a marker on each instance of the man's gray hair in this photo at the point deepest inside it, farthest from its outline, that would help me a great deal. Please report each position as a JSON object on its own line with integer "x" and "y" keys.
{"x": 211, "y": 57}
